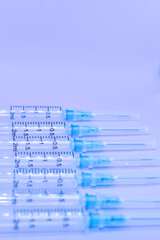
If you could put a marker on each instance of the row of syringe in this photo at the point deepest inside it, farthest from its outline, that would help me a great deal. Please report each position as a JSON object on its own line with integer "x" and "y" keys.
{"x": 33, "y": 137}
{"x": 32, "y": 143}
{"x": 55, "y": 136}
{"x": 31, "y": 153}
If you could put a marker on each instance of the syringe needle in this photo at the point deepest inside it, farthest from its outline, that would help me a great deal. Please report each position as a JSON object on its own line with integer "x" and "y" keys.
{"x": 68, "y": 200}
{"x": 59, "y": 220}
{"x": 36, "y": 113}
{"x": 68, "y": 159}
{"x": 69, "y": 179}
{"x": 49, "y": 130}
{"x": 64, "y": 143}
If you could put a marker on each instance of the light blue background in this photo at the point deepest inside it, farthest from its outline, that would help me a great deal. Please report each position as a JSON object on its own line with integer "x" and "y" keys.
{"x": 97, "y": 55}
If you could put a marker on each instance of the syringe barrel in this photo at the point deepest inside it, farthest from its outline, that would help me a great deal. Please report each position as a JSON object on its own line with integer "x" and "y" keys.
{"x": 57, "y": 200}
{"x": 31, "y": 113}
{"x": 40, "y": 178}
{"x": 34, "y": 159}
{"x": 61, "y": 143}
{"x": 41, "y": 220}
{"x": 32, "y": 130}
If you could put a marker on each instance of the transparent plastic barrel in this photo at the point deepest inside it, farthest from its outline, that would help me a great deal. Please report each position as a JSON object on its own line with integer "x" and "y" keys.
{"x": 38, "y": 159}
{"x": 40, "y": 178}
{"x": 41, "y": 220}
{"x": 30, "y": 113}
{"x": 32, "y": 129}
{"x": 40, "y": 144}
{"x": 57, "y": 200}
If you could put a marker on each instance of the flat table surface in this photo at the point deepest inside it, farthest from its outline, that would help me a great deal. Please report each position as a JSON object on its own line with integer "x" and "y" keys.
{"x": 102, "y": 56}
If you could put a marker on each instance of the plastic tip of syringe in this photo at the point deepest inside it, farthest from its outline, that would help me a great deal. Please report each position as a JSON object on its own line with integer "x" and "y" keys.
{"x": 102, "y": 220}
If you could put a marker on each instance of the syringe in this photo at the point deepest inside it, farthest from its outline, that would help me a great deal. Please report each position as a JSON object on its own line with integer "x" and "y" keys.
{"x": 64, "y": 143}
{"x": 62, "y": 159}
{"x": 47, "y": 179}
{"x": 54, "y": 220}
{"x": 50, "y": 129}
{"x": 61, "y": 200}
{"x": 36, "y": 113}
